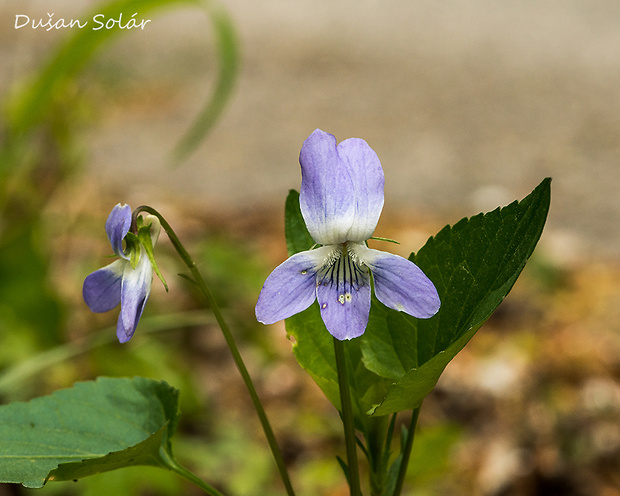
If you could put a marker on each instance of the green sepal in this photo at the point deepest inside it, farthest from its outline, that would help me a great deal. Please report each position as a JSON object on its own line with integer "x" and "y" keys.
{"x": 132, "y": 247}
{"x": 388, "y": 240}
{"x": 144, "y": 237}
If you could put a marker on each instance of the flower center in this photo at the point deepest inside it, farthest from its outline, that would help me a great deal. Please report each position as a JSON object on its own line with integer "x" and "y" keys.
{"x": 343, "y": 273}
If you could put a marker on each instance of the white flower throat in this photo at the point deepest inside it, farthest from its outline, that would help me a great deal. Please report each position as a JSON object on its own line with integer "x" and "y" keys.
{"x": 344, "y": 272}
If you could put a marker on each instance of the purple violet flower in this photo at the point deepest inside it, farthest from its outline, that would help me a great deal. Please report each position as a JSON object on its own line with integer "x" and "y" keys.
{"x": 341, "y": 200}
{"x": 126, "y": 281}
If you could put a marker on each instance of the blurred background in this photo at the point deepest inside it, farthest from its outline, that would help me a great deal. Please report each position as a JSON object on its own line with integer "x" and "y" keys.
{"x": 469, "y": 106}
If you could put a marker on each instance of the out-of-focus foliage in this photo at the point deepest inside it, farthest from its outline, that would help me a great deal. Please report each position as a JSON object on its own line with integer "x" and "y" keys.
{"x": 39, "y": 154}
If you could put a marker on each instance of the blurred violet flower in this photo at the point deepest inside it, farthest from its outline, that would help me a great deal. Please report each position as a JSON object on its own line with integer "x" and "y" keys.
{"x": 341, "y": 200}
{"x": 126, "y": 281}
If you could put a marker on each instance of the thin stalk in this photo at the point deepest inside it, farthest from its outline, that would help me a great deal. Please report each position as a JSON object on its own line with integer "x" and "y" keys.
{"x": 172, "y": 464}
{"x": 404, "y": 463}
{"x": 347, "y": 419}
{"x": 230, "y": 341}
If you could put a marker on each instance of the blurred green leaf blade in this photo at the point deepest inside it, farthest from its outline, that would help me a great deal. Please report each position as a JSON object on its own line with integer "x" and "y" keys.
{"x": 474, "y": 265}
{"x": 35, "y": 101}
{"x": 227, "y": 50}
{"x": 92, "y": 427}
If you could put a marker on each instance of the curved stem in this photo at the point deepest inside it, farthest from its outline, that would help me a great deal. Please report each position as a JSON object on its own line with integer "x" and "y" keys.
{"x": 347, "y": 419}
{"x": 406, "y": 451}
{"x": 230, "y": 341}
{"x": 172, "y": 464}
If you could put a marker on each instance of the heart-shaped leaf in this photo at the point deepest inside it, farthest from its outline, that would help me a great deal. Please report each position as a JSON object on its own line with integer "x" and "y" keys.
{"x": 92, "y": 427}
{"x": 474, "y": 265}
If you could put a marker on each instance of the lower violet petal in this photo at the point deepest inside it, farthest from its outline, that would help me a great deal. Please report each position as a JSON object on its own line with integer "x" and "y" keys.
{"x": 291, "y": 287}
{"x": 135, "y": 290}
{"x": 343, "y": 293}
{"x": 102, "y": 289}
{"x": 400, "y": 284}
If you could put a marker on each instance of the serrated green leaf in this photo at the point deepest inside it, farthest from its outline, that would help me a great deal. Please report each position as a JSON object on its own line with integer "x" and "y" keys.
{"x": 92, "y": 427}
{"x": 473, "y": 265}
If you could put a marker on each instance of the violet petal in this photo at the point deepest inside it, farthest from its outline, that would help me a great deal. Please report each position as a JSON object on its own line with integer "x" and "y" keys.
{"x": 400, "y": 284}
{"x": 343, "y": 293}
{"x": 117, "y": 226}
{"x": 135, "y": 291}
{"x": 341, "y": 188}
{"x": 102, "y": 289}
{"x": 291, "y": 287}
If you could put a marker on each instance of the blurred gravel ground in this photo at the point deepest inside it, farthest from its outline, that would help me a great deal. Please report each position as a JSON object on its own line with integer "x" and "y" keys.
{"x": 468, "y": 105}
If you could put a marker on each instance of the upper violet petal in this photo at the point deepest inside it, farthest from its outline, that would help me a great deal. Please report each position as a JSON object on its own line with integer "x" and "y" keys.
{"x": 325, "y": 198}
{"x": 343, "y": 293}
{"x": 135, "y": 291}
{"x": 368, "y": 181}
{"x": 291, "y": 287}
{"x": 117, "y": 226}
{"x": 400, "y": 284}
{"x": 102, "y": 289}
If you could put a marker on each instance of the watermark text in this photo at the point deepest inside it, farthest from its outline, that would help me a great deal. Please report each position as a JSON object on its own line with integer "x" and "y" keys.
{"x": 98, "y": 21}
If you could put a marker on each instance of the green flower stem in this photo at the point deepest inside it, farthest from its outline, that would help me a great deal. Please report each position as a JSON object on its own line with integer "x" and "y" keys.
{"x": 230, "y": 341}
{"x": 171, "y": 464}
{"x": 347, "y": 419}
{"x": 404, "y": 463}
